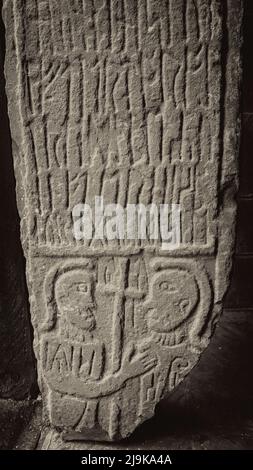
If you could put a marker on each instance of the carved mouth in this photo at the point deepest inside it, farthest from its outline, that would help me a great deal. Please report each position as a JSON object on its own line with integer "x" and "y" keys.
{"x": 82, "y": 318}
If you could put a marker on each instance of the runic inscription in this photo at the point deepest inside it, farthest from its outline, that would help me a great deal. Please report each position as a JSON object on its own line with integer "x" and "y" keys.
{"x": 125, "y": 100}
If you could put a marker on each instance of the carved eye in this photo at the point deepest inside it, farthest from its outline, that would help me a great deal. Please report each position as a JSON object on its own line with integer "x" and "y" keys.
{"x": 164, "y": 286}
{"x": 82, "y": 288}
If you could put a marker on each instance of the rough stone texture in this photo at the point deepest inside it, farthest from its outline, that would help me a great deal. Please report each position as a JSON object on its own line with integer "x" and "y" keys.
{"x": 14, "y": 415}
{"x": 17, "y": 368}
{"x": 136, "y": 102}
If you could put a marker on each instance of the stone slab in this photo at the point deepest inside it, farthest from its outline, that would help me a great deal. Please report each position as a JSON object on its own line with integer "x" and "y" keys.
{"x": 138, "y": 103}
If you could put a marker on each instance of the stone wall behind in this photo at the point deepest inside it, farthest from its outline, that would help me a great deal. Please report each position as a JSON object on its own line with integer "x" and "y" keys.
{"x": 17, "y": 366}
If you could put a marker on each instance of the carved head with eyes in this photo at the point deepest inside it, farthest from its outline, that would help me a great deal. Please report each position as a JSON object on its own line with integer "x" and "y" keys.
{"x": 174, "y": 297}
{"x": 74, "y": 298}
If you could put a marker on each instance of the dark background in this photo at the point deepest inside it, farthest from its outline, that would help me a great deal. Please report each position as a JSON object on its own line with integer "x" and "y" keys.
{"x": 213, "y": 408}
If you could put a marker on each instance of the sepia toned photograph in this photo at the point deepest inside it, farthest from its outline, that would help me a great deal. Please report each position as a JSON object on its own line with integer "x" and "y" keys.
{"x": 126, "y": 242}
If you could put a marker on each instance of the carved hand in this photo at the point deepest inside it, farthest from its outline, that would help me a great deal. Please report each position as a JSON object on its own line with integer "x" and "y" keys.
{"x": 137, "y": 360}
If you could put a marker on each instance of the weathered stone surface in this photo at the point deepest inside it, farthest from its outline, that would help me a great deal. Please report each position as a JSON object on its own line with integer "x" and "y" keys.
{"x": 137, "y": 102}
{"x": 17, "y": 370}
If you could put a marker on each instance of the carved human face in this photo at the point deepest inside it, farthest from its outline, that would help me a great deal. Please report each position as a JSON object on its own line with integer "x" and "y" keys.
{"x": 74, "y": 299}
{"x": 174, "y": 296}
